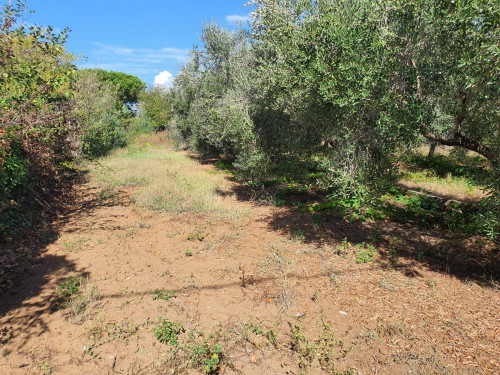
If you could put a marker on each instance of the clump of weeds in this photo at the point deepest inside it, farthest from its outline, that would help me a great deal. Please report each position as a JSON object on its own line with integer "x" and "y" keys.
{"x": 163, "y": 294}
{"x": 195, "y": 235}
{"x": 190, "y": 350}
{"x": 366, "y": 253}
{"x": 321, "y": 352}
{"x": 167, "y": 332}
{"x": 76, "y": 293}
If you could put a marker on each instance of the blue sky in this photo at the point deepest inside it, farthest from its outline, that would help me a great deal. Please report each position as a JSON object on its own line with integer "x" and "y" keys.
{"x": 135, "y": 37}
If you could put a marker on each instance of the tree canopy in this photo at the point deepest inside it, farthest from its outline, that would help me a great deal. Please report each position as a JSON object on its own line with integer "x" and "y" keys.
{"x": 128, "y": 86}
{"x": 336, "y": 89}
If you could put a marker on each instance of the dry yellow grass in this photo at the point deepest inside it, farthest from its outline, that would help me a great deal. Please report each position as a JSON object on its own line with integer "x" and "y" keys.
{"x": 446, "y": 189}
{"x": 167, "y": 180}
{"x": 463, "y": 188}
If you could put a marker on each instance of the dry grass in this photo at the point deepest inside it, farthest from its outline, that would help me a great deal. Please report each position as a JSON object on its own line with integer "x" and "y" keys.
{"x": 450, "y": 187}
{"x": 465, "y": 188}
{"x": 167, "y": 180}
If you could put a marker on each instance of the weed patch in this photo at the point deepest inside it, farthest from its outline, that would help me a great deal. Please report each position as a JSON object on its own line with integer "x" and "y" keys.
{"x": 323, "y": 351}
{"x": 206, "y": 357}
{"x": 365, "y": 253}
{"x": 167, "y": 332}
{"x": 75, "y": 293}
{"x": 163, "y": 294}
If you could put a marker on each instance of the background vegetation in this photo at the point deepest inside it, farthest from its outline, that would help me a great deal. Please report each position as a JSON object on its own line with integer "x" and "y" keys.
{"x": 51, "y": 116}
{"x": 330, "y": 95}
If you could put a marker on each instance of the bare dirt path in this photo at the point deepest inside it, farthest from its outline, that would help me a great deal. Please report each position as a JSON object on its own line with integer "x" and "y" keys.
{"x": 279, "y": 293}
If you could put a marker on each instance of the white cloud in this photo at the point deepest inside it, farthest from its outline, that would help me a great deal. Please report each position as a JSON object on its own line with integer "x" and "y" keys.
{"x": 235, "y": 18}
{"x": 142, "y": 55}
{"x": 143, "y": 62}
{"x": 165, "y": 79}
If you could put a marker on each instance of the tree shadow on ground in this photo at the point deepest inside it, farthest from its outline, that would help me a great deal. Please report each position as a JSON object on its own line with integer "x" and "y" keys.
{"x": 406, "y": 247}
{"x": 29, "y": 277}
{"x": 22, "y": 308}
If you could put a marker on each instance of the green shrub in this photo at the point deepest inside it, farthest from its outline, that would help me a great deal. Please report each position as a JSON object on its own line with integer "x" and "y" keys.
{"x": 101, "y": 138}
{"x": 207, "y": 357}
{"x": 139, "y": 125}
{"x": 13, "y": 183}
{"x": 35, "y": 71}
{"x": 155, "y": 105}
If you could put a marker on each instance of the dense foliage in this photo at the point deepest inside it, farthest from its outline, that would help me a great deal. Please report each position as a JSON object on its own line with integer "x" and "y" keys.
{"x": 50, "y": 113}
{"x": 331, "y": 90}
{"x": 95, "y": 106}
{"x": 35, "y": 72}
{"x": 156, "y": 107}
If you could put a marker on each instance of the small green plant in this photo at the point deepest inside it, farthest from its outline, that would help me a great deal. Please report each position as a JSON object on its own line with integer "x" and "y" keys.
{"x": 272, "y": 337}
{"x": 188, "y": 252}
{"x": 344, "y": 248}
{"x": 258, "y": 330}
{"x": 106, "y": 195}
{"x": 163, "y": 294}
{"x": 314, "y": 298}
{"x": 89, "y": 350}
{"x": 365, "y": 253}
{"x": 71, "y": 295}
{"x": 376, "y": 236}
{"x": 393, "y": 242}
{"x": 212, "y": 363}
{"x": 69, "y": 287}
{"x": 167, "y": 332}
{"x": 269, "y": 334}
{"x": 46, "y": 368}
{"x": 206, "y": 357}
{"x": 301, "y": 345}
{"x": 195, "y": 235}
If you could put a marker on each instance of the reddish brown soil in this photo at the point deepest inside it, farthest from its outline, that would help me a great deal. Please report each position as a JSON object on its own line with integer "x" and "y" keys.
{"x": 400, "y": 313}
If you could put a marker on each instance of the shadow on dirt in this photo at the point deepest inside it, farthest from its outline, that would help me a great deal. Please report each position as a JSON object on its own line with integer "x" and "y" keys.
{"x": 405, "y": 247}
{"x": 28, "y": 277}
{"x": 31, "y": 299}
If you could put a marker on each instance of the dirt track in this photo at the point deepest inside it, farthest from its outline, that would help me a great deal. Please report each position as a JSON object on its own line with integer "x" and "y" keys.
{"x": 270, "y": 268}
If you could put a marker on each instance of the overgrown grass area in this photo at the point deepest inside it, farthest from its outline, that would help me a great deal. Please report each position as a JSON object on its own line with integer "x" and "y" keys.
{"x": 461, "y": 177}
{"x": 445, "y": 191}
{"x": 166, "y": 180}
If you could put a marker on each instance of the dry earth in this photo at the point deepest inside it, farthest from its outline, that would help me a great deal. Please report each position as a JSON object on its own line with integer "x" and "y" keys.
{"x": 279, "y": 292}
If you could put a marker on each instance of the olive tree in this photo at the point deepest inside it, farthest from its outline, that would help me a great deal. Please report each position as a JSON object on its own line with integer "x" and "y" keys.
{"x": 212, "y": 96}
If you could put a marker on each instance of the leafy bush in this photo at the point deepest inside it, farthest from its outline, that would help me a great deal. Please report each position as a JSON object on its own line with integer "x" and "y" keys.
{"x": 95, "y": 106}
{"x": 69, "y": 287}
{"x": 211, "y": 98}
{"x": 156, "y": 107}
{"x": 139, "y": 125}
{"x": 206, "y": 357}
{"x": 13, "y": 183}
{"x": 101, "y": 138}
{"x": 35, "y": 130}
